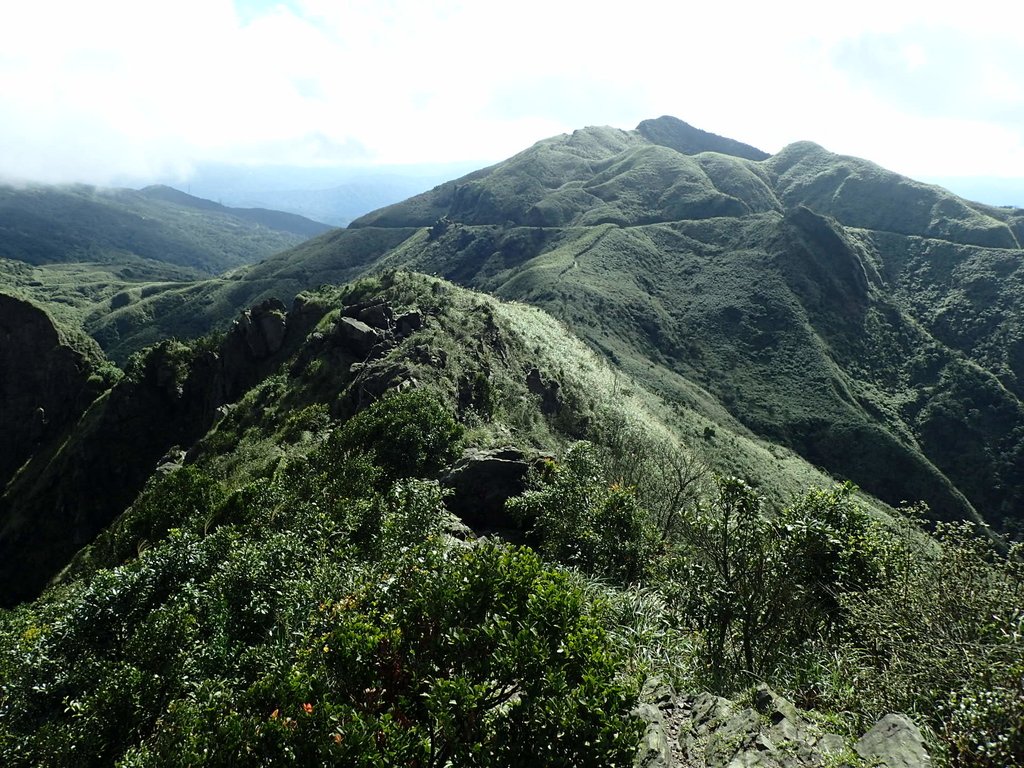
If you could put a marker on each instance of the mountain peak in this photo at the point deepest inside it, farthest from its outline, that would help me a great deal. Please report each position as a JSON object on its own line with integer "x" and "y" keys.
{"x": 673, "y": 133}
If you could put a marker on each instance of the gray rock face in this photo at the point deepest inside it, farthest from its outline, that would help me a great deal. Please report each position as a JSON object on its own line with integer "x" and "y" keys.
{"x": 482, "y": 481}
{"x": 256, "y": 336}
{"x": 708, "y": 731}
{"x": 547, "y": 391}
{"x": 657, "y": 703}
{"x": 379, "y": 316}
{"x": 407, "y": 324}
{"x": 654, "y": 750}
{"x": 260, "y": 330}
{"x": 894, "y": 742}
{"x": 44, "y": 382}
{"x": 357, "y": 335}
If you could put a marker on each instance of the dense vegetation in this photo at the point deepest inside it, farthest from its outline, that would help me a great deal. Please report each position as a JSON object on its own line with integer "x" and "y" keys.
{"x": 866, "y": 321}
{"x": 251, "y": 536}
{"x": 298, "y": 592}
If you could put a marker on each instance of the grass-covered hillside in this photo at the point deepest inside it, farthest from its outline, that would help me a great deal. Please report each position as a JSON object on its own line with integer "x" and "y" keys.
{"x": 868, "y": 322}
{"x": 403, "y": 523}
{"x": 43, "y": 224}
{"x": 72, "y": 483}
{"x": 84, "y": 251}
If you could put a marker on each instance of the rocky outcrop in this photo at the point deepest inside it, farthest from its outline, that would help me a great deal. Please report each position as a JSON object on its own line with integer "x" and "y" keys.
{"x": 482, "y": 481}
{"x": 546, "y": 392}
{"x": 257, "y": 335}
{"x": 708, "y": 731}
{"x": 44, "y": 382}
{"x": 359, "y": 337}
{"x": 893, "y": 742}
{"x": 71, "y": 489}
{"x": 361, "y": 340}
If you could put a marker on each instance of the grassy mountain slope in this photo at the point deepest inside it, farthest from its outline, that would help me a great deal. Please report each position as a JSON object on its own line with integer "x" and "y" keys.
{"x": 296, "y": 581}
{"x": 45, "y": 225}
{"x": 476, "y": 352}
{"x": 880, "y": 342}
{"x": 869, "y": 322}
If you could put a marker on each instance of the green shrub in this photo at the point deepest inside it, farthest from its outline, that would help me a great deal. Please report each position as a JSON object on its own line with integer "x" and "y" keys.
{"x": 583, "y": 521}
{"x": 735, "y": 580}
{"x": 943, "y": 638}
{"x": 832, "y": 547}
{"x": 186, "y": 496}
{"x": 478, "y": 657}
{"x": 759, "y": 585}
{"x": 408, "y": 434}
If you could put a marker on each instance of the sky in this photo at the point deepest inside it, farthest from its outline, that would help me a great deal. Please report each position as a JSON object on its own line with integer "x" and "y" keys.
{"x": 138, "y": 89}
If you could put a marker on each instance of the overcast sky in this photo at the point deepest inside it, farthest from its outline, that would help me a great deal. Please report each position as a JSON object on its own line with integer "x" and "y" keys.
{"x": 110, "y": 89}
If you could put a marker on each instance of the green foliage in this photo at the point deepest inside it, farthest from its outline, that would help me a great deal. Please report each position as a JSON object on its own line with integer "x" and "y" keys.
{"x": 181, "y": 498}
{"x": 165, "y": 364}
{"x": 758, "y": 585}
{"x": 668, "y": 478}
{"x": 942, "y": 637}
{"x": 407, "y": 434}
{"x": 736, "y": 580}
{"x": 583, "y": 521}
{"x": 486, "y": 657}
{"x": 314, "y": 618}
{"x": 312, "y": 419}
{"x": 833, "y": 547}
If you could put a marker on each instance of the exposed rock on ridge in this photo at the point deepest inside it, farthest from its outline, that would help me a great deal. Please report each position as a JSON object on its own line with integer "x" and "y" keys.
{"x": 707, "y": 731}
{"x": 44, "y": 382}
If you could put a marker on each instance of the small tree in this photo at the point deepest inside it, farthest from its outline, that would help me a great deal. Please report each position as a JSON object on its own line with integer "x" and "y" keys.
{"x": 584, "y": 521}
{"x": 407, "y": 434}
{"x": 667, "y": 478}
{"x": 760, "y": 584}
{"x": 735, "y": 575}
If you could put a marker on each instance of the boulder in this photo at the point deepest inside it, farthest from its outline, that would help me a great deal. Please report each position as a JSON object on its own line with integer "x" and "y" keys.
{"x": 654, "y": 750}
{"x": 270, "y": 328}
{"x": 379, "y": 316}
{"x": 356, "y": 336}
{"x": 715, "y": 733}
{"x": 657, "y": 703}
{"x": 894, "y": 742}
{"x": 482, "y": 481}
{"x": 408, "y": 323}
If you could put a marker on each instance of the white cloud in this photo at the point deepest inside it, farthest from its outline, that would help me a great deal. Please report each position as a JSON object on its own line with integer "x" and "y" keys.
{"x": 105, "y": 89}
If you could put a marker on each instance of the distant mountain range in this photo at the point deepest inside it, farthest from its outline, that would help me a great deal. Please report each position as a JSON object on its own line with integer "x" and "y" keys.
{"x": 60, "y": 224}
{"x": 335, "y": 196}
{"x": 868, "y": 321}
